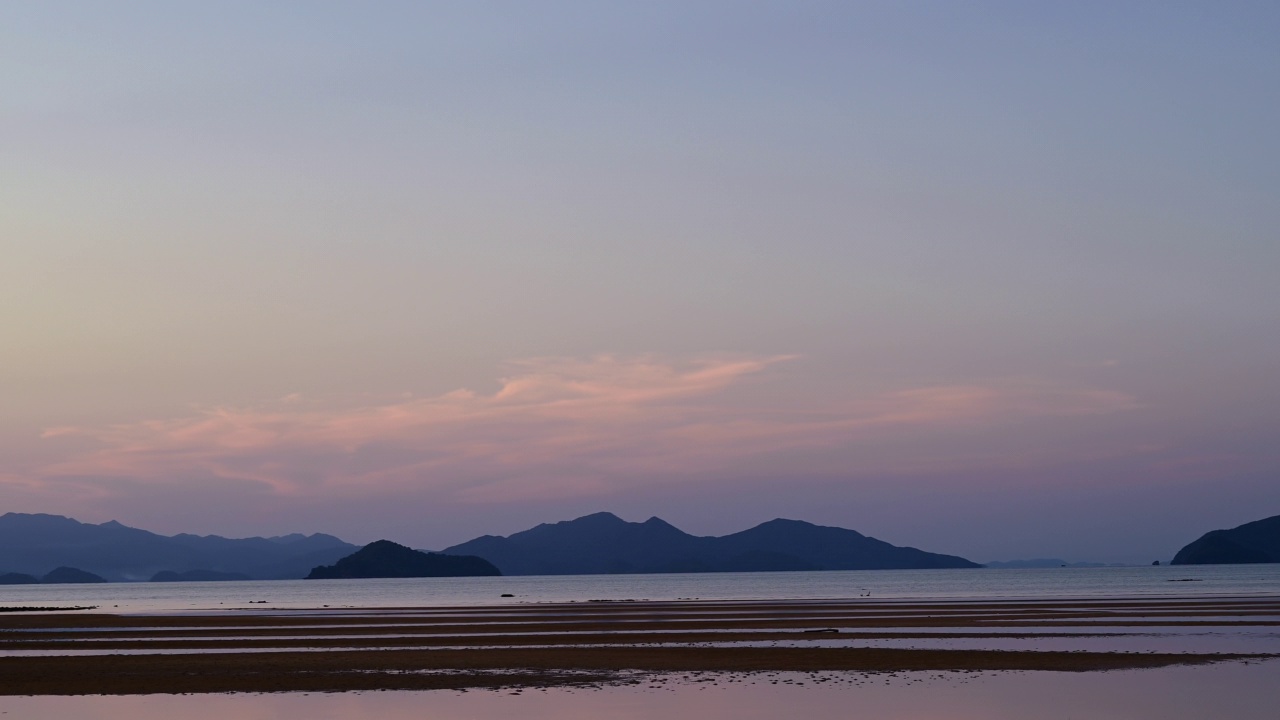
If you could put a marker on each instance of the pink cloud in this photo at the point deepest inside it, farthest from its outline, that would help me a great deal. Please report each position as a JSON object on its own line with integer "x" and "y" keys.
{"x": 555, "y": 426}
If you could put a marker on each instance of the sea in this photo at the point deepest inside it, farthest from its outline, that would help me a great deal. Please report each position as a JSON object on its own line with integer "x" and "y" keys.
{"x": 966, "y": 584}
{"x": 1229, "y": 690}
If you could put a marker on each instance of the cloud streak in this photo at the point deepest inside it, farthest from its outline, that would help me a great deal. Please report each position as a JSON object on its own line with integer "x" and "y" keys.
{"x": 554, "y": 427}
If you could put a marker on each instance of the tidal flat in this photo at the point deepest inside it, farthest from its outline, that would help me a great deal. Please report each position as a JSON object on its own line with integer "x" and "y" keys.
{"x": 842, "y": 645}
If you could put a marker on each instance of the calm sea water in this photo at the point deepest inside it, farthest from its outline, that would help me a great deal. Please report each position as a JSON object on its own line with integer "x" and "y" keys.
{"x": 876, "y": 584}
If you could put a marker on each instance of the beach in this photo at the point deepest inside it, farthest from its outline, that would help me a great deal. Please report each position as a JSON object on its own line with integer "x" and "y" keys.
{"x": 261, "y": 649}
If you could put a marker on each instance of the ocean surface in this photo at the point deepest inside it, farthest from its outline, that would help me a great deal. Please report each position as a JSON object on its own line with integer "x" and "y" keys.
{"x": 977, "y": 584}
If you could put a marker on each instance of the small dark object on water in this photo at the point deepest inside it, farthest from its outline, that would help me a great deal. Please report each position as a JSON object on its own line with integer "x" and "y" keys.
{"x": 507, "y": 595}
{"x": 1185, "y": 580}
{"x": 1156, "y": 562}
{"x": 823, "y": 630}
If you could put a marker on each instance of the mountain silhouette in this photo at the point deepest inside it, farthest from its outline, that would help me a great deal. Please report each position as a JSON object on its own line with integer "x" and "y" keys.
{"x": 12, "y": 578}
{"x": 68, "y": 575}
{"x": 31, "y": 544}
{"x": 34, "y": 543}
{"x": 385, "y": 559}
{"x": 1255, "y": 542}
{"x": 603, "y": 543}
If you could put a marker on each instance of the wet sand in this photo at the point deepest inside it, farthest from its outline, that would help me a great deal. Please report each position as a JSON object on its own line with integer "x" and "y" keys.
{"x": 544, "y": 645}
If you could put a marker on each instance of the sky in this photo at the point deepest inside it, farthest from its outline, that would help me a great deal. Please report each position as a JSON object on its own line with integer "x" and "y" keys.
{"x": 995, "y": 279}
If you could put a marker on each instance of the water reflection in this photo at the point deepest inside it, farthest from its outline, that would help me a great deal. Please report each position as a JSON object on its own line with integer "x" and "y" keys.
{"x": 1240, "y": 691}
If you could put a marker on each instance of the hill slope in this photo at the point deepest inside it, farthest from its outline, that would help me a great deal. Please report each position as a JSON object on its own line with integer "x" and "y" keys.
{"x": 385, "y": 559}
{"x": 1255, "y": 542}
{"x": 69, "y": 576}
{"x": 604, "y": 543}
{"x": 35, "y": 543}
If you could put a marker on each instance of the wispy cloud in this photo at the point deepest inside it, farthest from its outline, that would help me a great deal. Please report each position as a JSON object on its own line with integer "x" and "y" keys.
{"x": 554, "y": 426}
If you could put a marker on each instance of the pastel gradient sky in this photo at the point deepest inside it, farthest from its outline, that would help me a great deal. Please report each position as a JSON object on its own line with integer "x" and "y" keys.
{"x": 999, "y": 279}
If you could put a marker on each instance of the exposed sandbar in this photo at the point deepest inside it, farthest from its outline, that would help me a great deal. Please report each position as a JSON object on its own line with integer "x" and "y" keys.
{"x": 566, "y": 644}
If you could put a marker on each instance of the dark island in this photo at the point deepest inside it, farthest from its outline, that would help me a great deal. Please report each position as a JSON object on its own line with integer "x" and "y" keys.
{"x": 1255, "y": 542}
{"x": 603, "y": 543}
{"x": 69, "y": 575}
{"x": 13, "y": 578}
{"x": 57, "y": 576}
{"x": 594, "y": 544}
{"x": 385, "y": 559}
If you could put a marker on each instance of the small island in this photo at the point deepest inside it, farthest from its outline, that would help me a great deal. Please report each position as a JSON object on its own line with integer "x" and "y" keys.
{"x": 385, "y": 559}
{"x": 14, "y": 578}
{"x": 57, "y": 576}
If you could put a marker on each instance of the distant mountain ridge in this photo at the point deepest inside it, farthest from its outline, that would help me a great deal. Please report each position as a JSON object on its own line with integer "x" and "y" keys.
{"x": 603, "y": 543}
{"x": 33, "y": 544}
{"x": 1254, "y": 542}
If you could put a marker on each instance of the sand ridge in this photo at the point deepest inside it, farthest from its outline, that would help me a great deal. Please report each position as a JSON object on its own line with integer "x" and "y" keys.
{"x": 264, "y": 650}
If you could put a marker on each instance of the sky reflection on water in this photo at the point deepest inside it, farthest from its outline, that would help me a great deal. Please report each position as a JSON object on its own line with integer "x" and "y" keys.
{"x": 1240, "y": 691}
